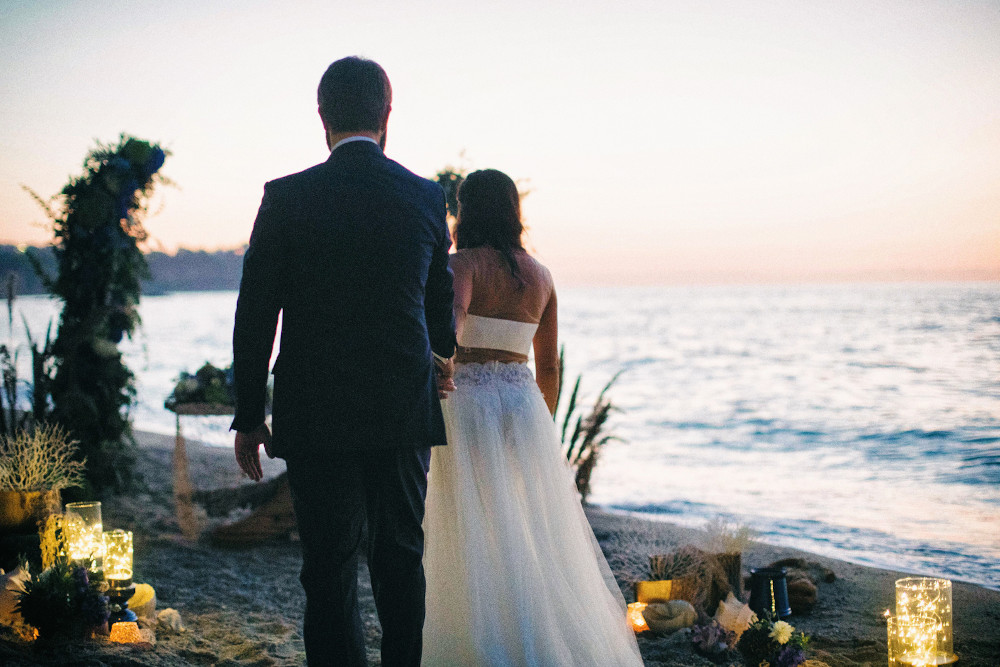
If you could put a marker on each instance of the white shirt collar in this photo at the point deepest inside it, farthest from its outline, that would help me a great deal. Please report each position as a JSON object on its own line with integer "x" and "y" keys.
{"x": 350, "y": 139}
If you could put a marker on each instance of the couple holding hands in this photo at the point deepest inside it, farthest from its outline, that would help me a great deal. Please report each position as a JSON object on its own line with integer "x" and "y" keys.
{"x": 479, "y": 554}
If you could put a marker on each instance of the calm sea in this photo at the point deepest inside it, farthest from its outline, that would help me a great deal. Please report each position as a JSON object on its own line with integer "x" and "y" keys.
{"x": 856, "y": 421}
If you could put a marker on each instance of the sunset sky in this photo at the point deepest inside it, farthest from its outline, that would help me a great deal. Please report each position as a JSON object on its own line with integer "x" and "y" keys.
{"x": 662, "y": 141}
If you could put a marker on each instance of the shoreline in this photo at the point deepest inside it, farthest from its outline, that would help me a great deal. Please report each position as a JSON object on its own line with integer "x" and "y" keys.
{"x": 162, "y": 438}
{"x": 243, "y": 607}
{"x": 665, "y": 519}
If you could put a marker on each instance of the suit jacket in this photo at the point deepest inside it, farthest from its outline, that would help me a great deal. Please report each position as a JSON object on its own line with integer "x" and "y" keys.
{"x": 354, "y": 254}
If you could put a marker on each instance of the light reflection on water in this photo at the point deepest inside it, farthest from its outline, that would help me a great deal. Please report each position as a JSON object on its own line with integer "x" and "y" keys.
{"x": 859, "y": 421}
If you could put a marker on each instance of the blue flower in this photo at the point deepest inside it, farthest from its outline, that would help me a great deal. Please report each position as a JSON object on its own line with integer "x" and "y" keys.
{"x": 119, "y": 163}
{"x": 156, "y": 159}
{"x": 125, "y": 198}
{"x": 790, "y": 656}
{"x": 81, "y": 579}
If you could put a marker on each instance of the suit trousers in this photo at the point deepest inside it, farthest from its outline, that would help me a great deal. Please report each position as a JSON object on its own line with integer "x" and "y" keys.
{"x": 338, "y": 498}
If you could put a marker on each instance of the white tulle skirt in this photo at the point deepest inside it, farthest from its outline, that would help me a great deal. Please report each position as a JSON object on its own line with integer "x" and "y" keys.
{"x": 514, "y": 573}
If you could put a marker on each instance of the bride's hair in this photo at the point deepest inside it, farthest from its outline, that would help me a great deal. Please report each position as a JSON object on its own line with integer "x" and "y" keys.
{"x": 489, "y": 214}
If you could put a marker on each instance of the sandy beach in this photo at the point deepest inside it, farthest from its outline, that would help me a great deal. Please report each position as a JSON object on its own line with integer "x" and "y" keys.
{"x": 243, "y": 607}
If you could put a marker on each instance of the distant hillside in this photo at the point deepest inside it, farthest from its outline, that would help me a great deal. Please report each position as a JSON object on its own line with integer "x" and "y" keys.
{"x": 194, "y": 271}
{"x": 187, "y": 271}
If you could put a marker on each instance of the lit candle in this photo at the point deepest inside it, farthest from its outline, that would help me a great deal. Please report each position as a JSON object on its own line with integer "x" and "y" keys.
{"x": 913, "y": 641}
{"x": 118, "y": 558}
{"x": 84, "y": 534}
{"x": 125, "y": 632}
{"x": 635, "y": 617}
{"x": 931, "y": 598}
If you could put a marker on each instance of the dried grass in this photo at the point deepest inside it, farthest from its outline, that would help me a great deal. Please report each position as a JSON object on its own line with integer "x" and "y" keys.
{"x": 723, "y": 536}
{"x": 53, "y": 540}
{"x": 627, "y": 549}
{"x": 39, "y": 460}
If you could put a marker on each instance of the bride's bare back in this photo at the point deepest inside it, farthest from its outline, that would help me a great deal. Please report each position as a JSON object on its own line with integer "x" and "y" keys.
{"x": 485, "y": 287}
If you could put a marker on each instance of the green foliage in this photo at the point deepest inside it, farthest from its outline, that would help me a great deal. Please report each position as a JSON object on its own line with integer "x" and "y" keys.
{"x": 62, "y": 601}
{"x": 12, "y": 419}
{"x": 450, "y": 178}
{"x": 97, "y": 227}
{"x": 588, "y": 435}
{"x": 772, "y": 642}
{"x": 207, "y": 385}
{"x": 41, "y": 373}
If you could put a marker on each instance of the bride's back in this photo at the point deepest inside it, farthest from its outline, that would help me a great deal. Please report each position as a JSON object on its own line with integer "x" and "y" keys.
{"x": 495, "y": 292}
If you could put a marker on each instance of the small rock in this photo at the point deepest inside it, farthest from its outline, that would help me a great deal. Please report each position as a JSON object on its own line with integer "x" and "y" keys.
{"x": 169, "y": 621}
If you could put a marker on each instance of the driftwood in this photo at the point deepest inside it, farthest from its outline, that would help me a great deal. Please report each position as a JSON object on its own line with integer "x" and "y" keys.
{"x": 273, "y": 518}
{"x": 222, "y": 502}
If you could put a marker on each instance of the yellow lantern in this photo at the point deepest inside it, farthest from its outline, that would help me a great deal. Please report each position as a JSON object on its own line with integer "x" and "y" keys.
{"x": 653, "y": 591}
{"x": 635, "y": 617}
{"x": 913, "y": 641}
{"x": 929, "y": 597}
{"x": 118, "y": 558}
{"x": 84, "y": 534}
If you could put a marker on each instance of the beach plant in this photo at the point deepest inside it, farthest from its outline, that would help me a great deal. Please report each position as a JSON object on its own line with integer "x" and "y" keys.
{"x": 53, "y": 539}
{"x": 675, "y": 564}
{"x": 627, "y": 547}
{"x": 582, "y": 442}
{"x": 42, "y": 459}
{"x": 726, "y": 536}
{"x": 12, "y": 418}
{"x": 97, "y": 228}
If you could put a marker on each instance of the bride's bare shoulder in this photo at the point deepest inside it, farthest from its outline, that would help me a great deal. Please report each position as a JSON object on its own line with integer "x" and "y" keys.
{"x": 544, "y": 276}
{"x": 471, "y": 254}
{"x": 479, "y": 258}
{"x": 461, "y": 259}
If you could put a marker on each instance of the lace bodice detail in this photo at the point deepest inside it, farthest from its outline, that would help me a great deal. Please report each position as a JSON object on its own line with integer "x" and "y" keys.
{"x": 492, "y": 333}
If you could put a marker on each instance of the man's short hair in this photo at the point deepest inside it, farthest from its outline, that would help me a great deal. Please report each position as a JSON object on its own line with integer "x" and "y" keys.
{"x": 354, "y": 95}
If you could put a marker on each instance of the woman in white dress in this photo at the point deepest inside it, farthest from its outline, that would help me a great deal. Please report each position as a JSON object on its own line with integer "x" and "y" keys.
{"x": 514, "y": 573}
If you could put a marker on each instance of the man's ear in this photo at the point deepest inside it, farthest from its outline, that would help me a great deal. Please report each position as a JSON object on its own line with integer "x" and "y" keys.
{"x": 326, "y": 130}
{"x": 385, "y": 130}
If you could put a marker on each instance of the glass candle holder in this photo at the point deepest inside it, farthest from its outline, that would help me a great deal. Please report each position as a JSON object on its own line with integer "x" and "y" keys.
{"x": 85, "y": 534}
{"x": 118, "y": 558}
{"x": 913, "y": 641}
{"x": 926, "y": 596}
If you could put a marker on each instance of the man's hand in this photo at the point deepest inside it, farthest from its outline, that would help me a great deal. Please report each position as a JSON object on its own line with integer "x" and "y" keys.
{"x": 445, "y": 373}
{"x": 248, "y": 450}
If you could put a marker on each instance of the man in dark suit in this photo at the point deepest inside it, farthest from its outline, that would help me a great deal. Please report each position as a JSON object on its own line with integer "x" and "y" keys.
{"x": 354, "y": 253}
